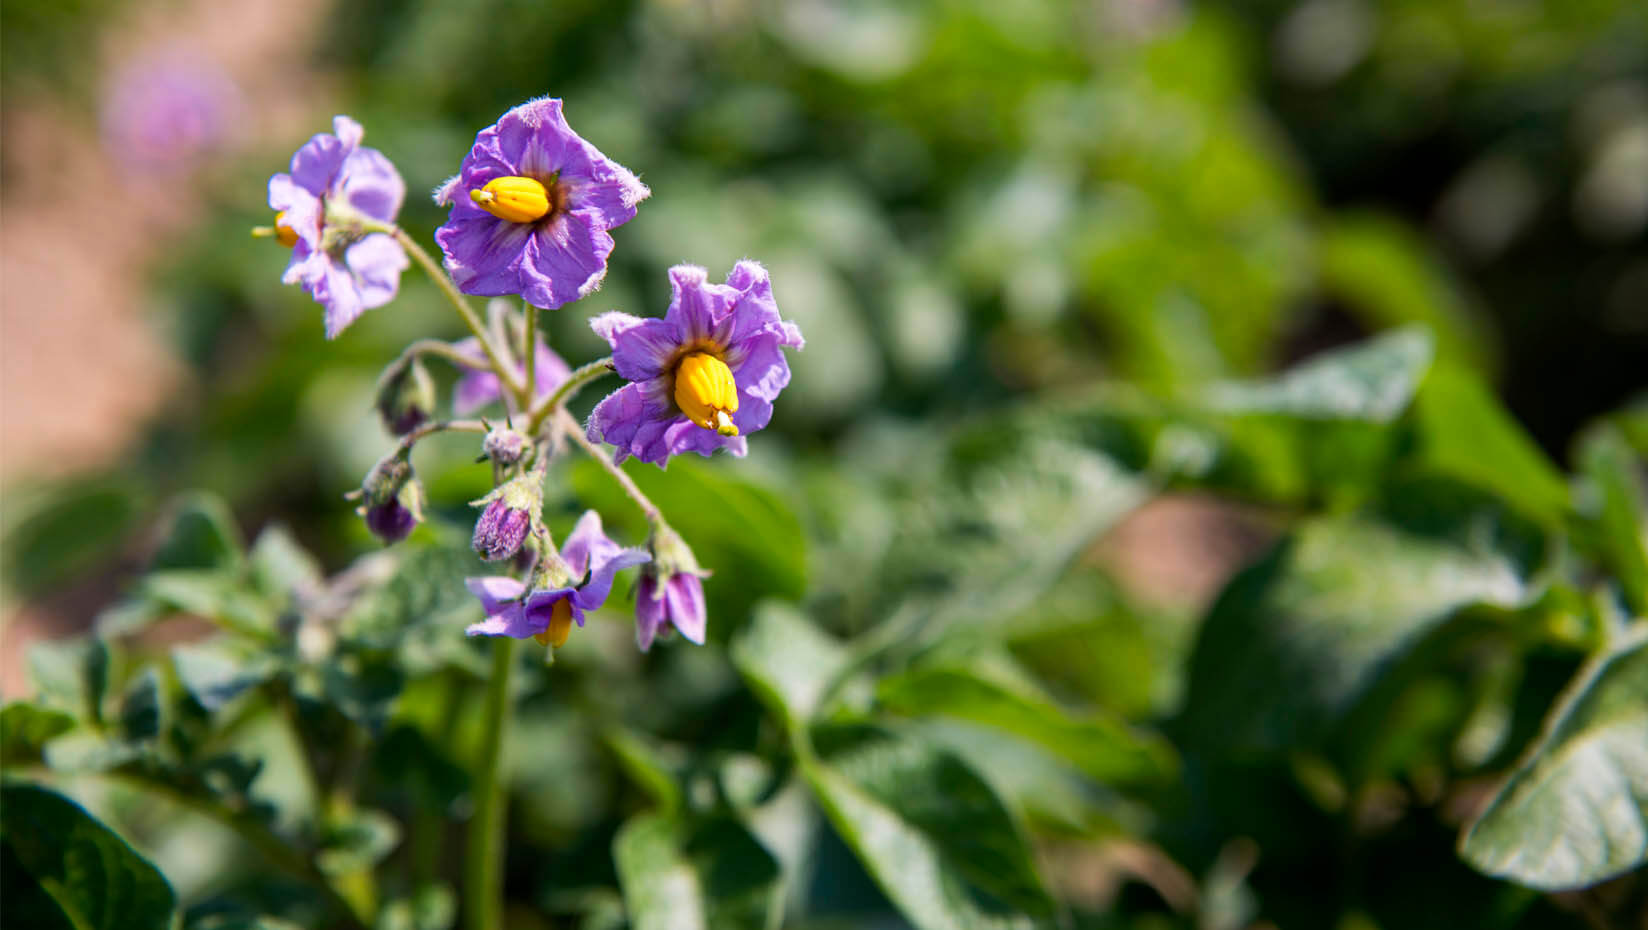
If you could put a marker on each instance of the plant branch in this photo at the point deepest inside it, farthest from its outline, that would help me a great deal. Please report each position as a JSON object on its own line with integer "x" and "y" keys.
{"x": 580, "y": 376}
{"x": 570, "y": 427}
{"x": 483, "y": 872}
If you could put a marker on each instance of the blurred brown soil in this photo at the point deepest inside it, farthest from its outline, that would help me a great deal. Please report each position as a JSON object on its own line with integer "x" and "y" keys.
{"x": 82, "y": 365}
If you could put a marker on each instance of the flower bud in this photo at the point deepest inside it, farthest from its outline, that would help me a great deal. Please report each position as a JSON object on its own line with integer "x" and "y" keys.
{"x": 511, "y": 510}
{"x": 664, "y": 604}
{"x": 505, "y": 447}
{"x": 392, "y": 520}
{"x": 406, "y": 396}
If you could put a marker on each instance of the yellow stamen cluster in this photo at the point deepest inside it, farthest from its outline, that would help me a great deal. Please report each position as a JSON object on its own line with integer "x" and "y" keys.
{"x": 560, "y": 625}
{"x": 284, "y": 234}
{"x": 514, "y": 199}
{"x": 706, "y": 392}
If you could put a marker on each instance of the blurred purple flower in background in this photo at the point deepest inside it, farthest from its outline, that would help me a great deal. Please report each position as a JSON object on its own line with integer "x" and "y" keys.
{"x": 164, "y": 110}
{"x": 478, "y": 386}
{"x": 702, "y": 377}
{"x": 531, "y": 207}
{"x": 332, "y": 180}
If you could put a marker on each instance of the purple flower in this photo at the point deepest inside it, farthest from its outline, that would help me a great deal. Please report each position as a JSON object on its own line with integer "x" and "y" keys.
{"x": 478, "y": 386}
{"x": 164, "y": 110}
{"x": 333, "y": 185}
{"x": 678, "y": 602}
{"x": 500, "y": 531}
{"x": 704, "y": 376}
{"x": 547, "y": 614}
{"x": 531, "y": 207}
{"x": 391, "y": 521}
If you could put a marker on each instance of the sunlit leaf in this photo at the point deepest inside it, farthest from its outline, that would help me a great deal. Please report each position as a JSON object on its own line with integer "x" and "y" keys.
{"x": 26, "y": 728}
{"x": 65, "y": 869}
{"x": 203, "y": 535}
{"x": 1373, "y": 381}
{"x": 1575, "y": 812}
{"x": 788, "y": 661}
{"x": 71, "y": 675}
{"x": 1616, "y": 475}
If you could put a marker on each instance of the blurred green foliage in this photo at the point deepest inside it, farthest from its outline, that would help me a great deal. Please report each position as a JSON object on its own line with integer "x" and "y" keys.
{"x": 1054, "y": 261}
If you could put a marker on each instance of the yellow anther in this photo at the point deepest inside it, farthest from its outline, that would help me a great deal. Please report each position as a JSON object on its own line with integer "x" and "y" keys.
{"x": 284, "y": 234}
{"x": 560, "y": 625}
{"x": 706, "y": 392}
{"x": 515, "y": 199}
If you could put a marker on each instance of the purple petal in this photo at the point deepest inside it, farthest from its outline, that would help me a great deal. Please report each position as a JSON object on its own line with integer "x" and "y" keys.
{"x": 612, "y": 324}
{"x": 607, "y": 188}
{"x": 587, "y": 542}
{"x": 316, "y": 164}
{"x": 482, "y": 251}
{"x": 370, "y": 183}
{"x": 377, "y": 262}
{"x": 302, "y": 209}
{"x": 494, "y": 590}
{"x": 759, "y": 367}
{"x": 564, "y": 260}
{"x": 641, "y": 352}
{"x": 682, "y": 435}
{"x": 684, "y": 596}
{"x": 540, "y": 606}
{"x": 649, "y": 610}
{"x": 631, "y": 418}
{"x": 594, "y": 594}
{"x": 696, "y": 305}
{"x": 336, "y": 292}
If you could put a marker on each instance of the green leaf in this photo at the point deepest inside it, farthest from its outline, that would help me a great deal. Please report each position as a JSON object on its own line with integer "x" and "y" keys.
{"x": 1615, "y": 475}
{"x": 1373, "y": 381}
{"x": 203, "y": 535}
{"x": 141, "y": 713}
{"x": 928, "y": 829}
{"x": 214, "y": 673}
{"x": 281, "y": 566}
{"x": 788, "y": 661}
{"x": 1101, "y": 746}
{"x": 357, "y": 842}
{"x": 1575, "y": 811}
{"x": 1295, "y": 643}
{"x": 1462, "y": 430}
{"x": 71, "y": 675}
{"x": 64, "y": 868}
{"x": 704, "y": 875}
{"x": 26, "y": 728}
{"x": 211, "y": 595}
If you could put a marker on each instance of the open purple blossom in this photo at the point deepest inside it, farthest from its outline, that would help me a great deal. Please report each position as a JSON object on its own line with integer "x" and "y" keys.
{"x": 547, "y": 614}
{"x": 704, "y": 376}
{"x": 332, "y": 181}
{"x": 531, "y": 207}
{"x": 659, "y": 605}
{"x": 478, "y": 385}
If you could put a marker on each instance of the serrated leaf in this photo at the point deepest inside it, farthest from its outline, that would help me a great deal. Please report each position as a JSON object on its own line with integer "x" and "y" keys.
{"x": 1373, "y": 381}
{"x": 63, "y": 867}
{"x": 1295, "y": 642}
{"x": 788, "y": 661}
{"x": 1103, "y": 747}
{"x": 203, "y": 535}
{"x": 71, "y": 675}
{"x": 928, "y": 829}
{"x": 1575, "y": 812}
{"x": 702, "y": 875}
{"x": 26, "y": 728}
{"x": 214, "y": 675}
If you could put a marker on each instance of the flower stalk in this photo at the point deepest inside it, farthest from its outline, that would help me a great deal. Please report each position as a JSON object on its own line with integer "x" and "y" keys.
{"x": 483, "y": 875}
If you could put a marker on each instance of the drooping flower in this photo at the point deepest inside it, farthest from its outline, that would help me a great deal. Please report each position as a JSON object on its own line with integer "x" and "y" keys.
{"x": 391, "y": 498}
{"x": 547, "y": 614}
{"x": 704, "y": 376}
{"x": 510, "y": 511}
{"x": 334, "y": 184}
{"x": 478, "y": 386}
{"x": 531, "y": 207}
{"x": 405, "y": 396}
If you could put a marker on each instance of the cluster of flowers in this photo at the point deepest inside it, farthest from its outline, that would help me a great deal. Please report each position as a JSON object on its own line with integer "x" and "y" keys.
{"x": 531, "y": 210}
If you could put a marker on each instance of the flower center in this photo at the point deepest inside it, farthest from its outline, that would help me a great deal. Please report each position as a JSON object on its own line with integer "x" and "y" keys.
{"x": 706, "y": 392}
{"x": 560, "y": 625}
{"x": 514, "y": 199}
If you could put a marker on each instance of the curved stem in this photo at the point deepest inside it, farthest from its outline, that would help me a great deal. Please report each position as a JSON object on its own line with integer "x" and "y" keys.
{"x": 483, "y": 867}
{"x": 438, "y": 348}
{"x": 580, "y": 376}
{"x": 570, "y": 426}
{"x": 529, "y": 352}
{"x": 440, "y": 426}
{"x": 444, "y": 283}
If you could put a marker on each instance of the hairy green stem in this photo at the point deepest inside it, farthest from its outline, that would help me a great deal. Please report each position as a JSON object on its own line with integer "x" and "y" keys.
{"x": 440, "y": 426}
{"x": 570, "y": 427}
{"x": 483, "y": 866}
{"x": 580, "y": 376}
{"x": 438, "y": 348}
{"x": 444, "y": 283}
{"x": 529, "y": 352}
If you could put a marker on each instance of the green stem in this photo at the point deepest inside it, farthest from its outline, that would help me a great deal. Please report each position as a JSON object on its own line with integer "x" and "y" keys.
{"x": 570, "y": 427}
{"x": 441, "y": 426}
{"x": 453, "y": 295}
{"x": 529, "y": 352}
{"x": 580, "y": 376}
{"x": 442, "y": 349}
{"x": 483, "y": 867}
